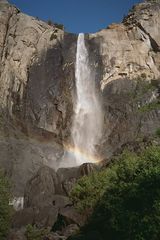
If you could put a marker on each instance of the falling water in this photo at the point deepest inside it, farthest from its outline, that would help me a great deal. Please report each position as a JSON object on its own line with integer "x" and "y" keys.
{"x": 87, "y": 122}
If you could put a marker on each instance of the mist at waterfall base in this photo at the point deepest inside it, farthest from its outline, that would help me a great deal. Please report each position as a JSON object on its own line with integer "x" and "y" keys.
{"x": 87, "y": 120}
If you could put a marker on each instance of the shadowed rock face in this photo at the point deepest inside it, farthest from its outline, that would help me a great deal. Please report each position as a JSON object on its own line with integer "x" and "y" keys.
{"x": 37, "y": 86}
{"x": 127, "y": 114}
{"x": 47, "y": 200}
{"x": 36, "y": 73}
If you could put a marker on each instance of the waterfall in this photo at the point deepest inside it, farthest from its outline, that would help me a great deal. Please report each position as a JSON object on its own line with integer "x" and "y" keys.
{"x": 87, "y": 120}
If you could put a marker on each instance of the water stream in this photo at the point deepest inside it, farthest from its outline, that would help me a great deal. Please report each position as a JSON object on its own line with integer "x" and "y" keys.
{"x": 87, "y": 120}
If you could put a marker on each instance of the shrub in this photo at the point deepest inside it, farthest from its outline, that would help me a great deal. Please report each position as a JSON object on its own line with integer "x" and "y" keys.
{"x": 128, "y": 204}
{"x": 34, "y": 233}
{"x": 50, "y": 23}
{"x": 158, "y": 132}
{"x": 5, "y": 209}
{"x": 149, "y": 107}
{"x": 89, "y": 190}
{"x": 142, "y": 87}
{"x": 59, "y": 25}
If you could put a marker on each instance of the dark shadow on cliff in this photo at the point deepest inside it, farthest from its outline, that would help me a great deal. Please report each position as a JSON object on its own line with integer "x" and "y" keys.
{"x": 39, "y": 122}
{"x": 46, "y": 108}
{"x": 130, "y": 112}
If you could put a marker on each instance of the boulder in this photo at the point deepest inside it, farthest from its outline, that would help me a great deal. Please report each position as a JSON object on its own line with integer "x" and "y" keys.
{"x": 55, "y": 236}
{"x": 60, "y": 201}
{"x": 40, "y": 189}
{"x": 70, "y": 230}
{"x": 68, "y": 185}
{"x": 22, "y": 218}
{"x": 17, "y": 234}
{"x": 45, "y": 217}
{"x": 69, "y": 176}
{"x": 87, "y": 168}
{"x": 71, "y": 215}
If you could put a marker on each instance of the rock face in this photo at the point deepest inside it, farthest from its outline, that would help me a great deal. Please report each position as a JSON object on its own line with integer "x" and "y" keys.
{"x": 127, "y": 58}
{"x": 37, "y": 86}
{"x": 42, "y": 187}
{"x": 47, "y": 204}
{"x": 131, "y": 49}
{"x": 36, "y": 75}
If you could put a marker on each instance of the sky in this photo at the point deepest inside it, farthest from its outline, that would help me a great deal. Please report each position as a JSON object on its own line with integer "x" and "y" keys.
{"x": 85, "y": 16}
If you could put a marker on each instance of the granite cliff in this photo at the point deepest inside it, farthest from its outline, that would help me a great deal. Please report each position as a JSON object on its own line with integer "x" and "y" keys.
{"x": 37, "y": 87}
{"x": 37, "y": 92}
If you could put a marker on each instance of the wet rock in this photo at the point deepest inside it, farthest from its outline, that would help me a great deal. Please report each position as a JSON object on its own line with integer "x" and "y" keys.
{"x": 87, "y": 168}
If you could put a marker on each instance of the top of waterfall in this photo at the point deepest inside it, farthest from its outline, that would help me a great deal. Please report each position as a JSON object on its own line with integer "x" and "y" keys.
{"x": 81, "y": 35}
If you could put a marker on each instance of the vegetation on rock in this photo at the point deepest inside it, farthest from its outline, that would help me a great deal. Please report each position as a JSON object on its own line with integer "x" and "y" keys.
{"x": 145, "y": 95}
{"x": 34, "y": 233}
{"x": 142, "y": 87}
{"x": 5, "y": 209}
{"x": 124, "y": 198}
{"x": 150, "y": 106}
{"x": 57, "y": 25}
{"x": 158, "y": 132}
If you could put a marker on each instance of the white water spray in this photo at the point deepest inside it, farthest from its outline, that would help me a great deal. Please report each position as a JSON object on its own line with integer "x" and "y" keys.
{"x": 17, "y": 203}
{"x": 87, "y": 122}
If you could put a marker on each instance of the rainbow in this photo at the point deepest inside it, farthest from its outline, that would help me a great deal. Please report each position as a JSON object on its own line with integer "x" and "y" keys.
{"x": 81, "y": 153}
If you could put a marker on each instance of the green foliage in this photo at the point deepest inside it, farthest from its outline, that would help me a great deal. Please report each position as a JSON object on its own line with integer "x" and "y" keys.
{"x": 149, "y": 107}
{"x": 34, "y": 233}
{"x": 50, "y": 23}
{"x": 5, "y": 209}
{"x": 127, "y": 205}
{"x": 142, "y": 87}
{"x": 89, "y": 190}
{"x": 57, "y": 25}
{"x": 158, "y": 132}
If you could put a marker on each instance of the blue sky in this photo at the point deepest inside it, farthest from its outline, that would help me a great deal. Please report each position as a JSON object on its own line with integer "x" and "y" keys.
{"x": 78, "y": 15}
